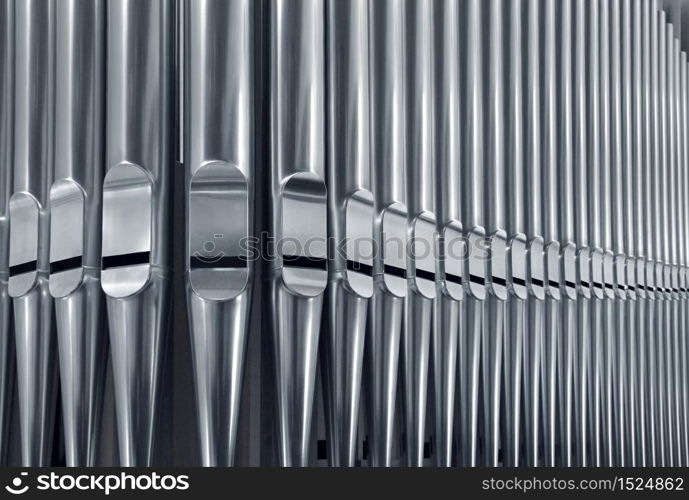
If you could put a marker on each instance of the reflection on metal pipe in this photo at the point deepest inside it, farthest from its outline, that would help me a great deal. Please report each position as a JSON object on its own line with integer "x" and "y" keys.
{"x": 533, "y": 340}
{"x": 135, "y": 267}
{"x": 515, "y": 320}
{"x": 472, "y": 212}
{"x": 297, "y": 215}
{"x": 219, "y": 149}
{"x": 421, "y": 263}
{"x": 350, "y": 223}
{"x": 390, "y": 226}
{"x": 75, "y": 209}
{"x": 551, "y": 233}
{"x": 7, "y": 373}
{"x": 494, "y": 180}
{"x": 451, "y": 249}
{"x": 34, "y": 320}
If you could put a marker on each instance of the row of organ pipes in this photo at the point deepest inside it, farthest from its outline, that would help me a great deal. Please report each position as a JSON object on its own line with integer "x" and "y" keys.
{"x": 504, "y": 182}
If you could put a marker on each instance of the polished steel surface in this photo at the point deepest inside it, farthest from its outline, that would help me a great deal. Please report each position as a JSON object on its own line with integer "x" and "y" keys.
{"x": 137, "y": 201}
{"x": 385, "y": 318}
{"x": 297, "y": 215}
{"x": 421, "y": 229}
{"x": 350, "y": 221}
{"x": 34, "y": 321}
{"x": 344, "y": 233}
{"x": 219, "y": 187}
{"x": 7, "y": 356}
{"x": 447, "y": 163}
{"x": 75, "y": 228}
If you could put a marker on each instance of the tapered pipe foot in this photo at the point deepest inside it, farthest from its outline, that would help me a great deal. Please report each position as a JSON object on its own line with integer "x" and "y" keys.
{"x": 138, "y": 335}
{"x": 36, "y": 373}
{"x": 415, "y": 353}
{"x": 445, "y": 333}
{"x": 218, "y": 332}
{"x": 7, "y": 370}
{"x": 342, "y": 351}
{"x": 83, "y": 349}
{"x": 381, "y": 359}
{"x": 295, "y": 326}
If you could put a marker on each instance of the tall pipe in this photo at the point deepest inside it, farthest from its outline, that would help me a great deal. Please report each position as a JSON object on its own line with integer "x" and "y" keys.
{"x": 636, "y": 173}
{"x": 34, "y": 320}
{"x": 583, "y": 259}
{"x": 566, "y": 346}
{"x": 625, "y": 263}
{"x": 595, "y": 130}
{"x": 677, "y": 229}
{"x": 662, "y": 239}
{"x": 447, "y": 160}
{"x": 7, "y": 373}
{"x": 297, "y": 215}
{"x": 473, "y": 213}
{"x": 551, "y": 231}
{"x": 684, "y": 252}
{"x": 136, "y": 246}
{"x": 421, "y": 265}
{"x": 533, "y": 340}
{"x": 384, "y": 327}
{"x": 494, "y": 199}
{"x": 75, "y": 229}
{"x": 618, "y": 337}
{"x": 515, "y": 226}
{"x": 219, "y": 136}
{"x": 350, "y": 222}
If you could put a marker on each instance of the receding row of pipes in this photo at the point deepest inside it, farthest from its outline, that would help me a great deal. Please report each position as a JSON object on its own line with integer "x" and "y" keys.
{"x": 544, "y": 139}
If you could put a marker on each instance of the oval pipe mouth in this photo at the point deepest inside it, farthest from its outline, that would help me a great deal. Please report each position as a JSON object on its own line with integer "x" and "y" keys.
{"x": 597, "y": 277}
{"x": 536, "y": 267}
{"x": 359, "y": 245}
{"x": 497, "y": 275}
{"x": 302, "y": 245}
{"x": 422, "y": 254}
{"x": 517, "y": 266}
{"x": 393, "y": 249}
{"x": 127, "y": 230}
{"x": 67, "y": 205}
{"x": 451, "y": 255}
{"x": 24, "y": 216}
{"x": 569, "y": 271}
{"x": 584, "y": 272}
{"x": 640, "y": 276}
{"x": 218, "y": 231}
{"x": 477, "y": 262}
{"x": 552, "y": 270}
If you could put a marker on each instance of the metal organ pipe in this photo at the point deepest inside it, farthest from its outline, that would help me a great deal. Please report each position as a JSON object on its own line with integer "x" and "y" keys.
{"x": 390, "y": 232}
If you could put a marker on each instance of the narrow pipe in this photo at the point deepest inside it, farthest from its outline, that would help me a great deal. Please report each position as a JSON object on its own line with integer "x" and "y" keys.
{"x": 515, "y": 316}
{"x": 350, "y": 220}
{"x": 137, "y": 256}
{"x": 534, "y": 228}
{"x": 75, "y": 203}
{"x": 7, "y": 355}
{"x": 583, "y": 256}
{"x": 473, "y": 214}
{"x": 421, "y": 265}
{"x": 34, "y": 322}
{"x": 297, "y": 174}
{"x": 218, "y": 135}
{"x": 383, "y": 333}
{"x": 494, "y": 210}
{"x": 449, "y": 290}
